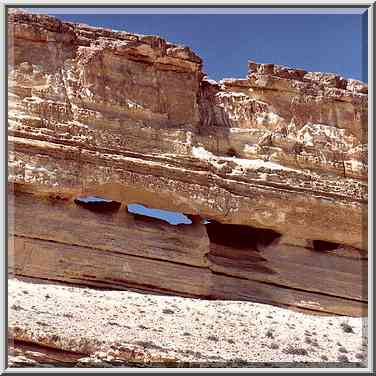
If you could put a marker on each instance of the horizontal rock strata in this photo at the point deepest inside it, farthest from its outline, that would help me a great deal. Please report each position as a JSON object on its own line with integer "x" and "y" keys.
{"x": 119, "y": 250}
{"x": 277, "y": 162}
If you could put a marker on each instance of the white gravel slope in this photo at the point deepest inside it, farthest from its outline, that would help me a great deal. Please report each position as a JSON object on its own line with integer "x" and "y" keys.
{"x": 186, "y": 329}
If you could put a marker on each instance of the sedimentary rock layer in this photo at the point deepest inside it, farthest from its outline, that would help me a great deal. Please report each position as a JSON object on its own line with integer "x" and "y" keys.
{"x": 118, "y": 249}
{"x": 134, "y": 119}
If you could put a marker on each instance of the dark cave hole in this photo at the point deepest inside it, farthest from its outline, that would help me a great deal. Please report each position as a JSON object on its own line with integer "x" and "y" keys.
{"x": 97, "y": 204}
{"x": 240, "y": 236}
{"x": 171, "y": 217}
{"x": 232, "y": 153}
{"x": 324, "y": 246}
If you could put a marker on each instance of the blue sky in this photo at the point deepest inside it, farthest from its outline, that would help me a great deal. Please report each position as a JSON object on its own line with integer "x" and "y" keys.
{"x": 171, "y": 217}
{"x": 315, "y": 42}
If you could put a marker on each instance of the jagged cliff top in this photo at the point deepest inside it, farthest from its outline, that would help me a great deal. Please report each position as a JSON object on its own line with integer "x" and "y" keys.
{"x": 85, "y": 34}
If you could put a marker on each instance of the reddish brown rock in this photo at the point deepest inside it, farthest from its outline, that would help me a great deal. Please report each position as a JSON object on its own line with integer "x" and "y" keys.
{"x": 133, "y": 118}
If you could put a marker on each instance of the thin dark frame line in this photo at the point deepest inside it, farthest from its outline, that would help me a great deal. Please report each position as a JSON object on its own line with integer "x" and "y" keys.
{"x": 198, "y": 6}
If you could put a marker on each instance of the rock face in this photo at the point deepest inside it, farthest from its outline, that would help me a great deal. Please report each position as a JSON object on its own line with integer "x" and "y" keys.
{"x": 277, "y": 162}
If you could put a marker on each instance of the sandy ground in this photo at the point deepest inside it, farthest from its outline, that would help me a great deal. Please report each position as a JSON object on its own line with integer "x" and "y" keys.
{"x": 102, "y": 326}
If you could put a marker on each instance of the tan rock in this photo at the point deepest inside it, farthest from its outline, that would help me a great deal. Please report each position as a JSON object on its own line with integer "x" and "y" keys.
{"x": 134, "y": 119}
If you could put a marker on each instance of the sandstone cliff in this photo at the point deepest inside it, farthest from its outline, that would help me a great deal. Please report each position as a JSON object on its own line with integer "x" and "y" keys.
{"x": 276, "y": 161}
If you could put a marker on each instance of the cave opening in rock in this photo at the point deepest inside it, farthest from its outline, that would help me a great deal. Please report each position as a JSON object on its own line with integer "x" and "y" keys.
{"x": 324, "y": 246}
{"x": 232, "y": 153}
{"x": 97, "y": 204}
{"x": 240, "y": 236}
{"x": 171, "y": 217}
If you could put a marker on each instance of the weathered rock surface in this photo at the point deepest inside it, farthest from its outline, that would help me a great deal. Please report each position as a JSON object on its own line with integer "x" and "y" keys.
{"x": 277, "y": 161}
{"x": 120, "y": 249}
